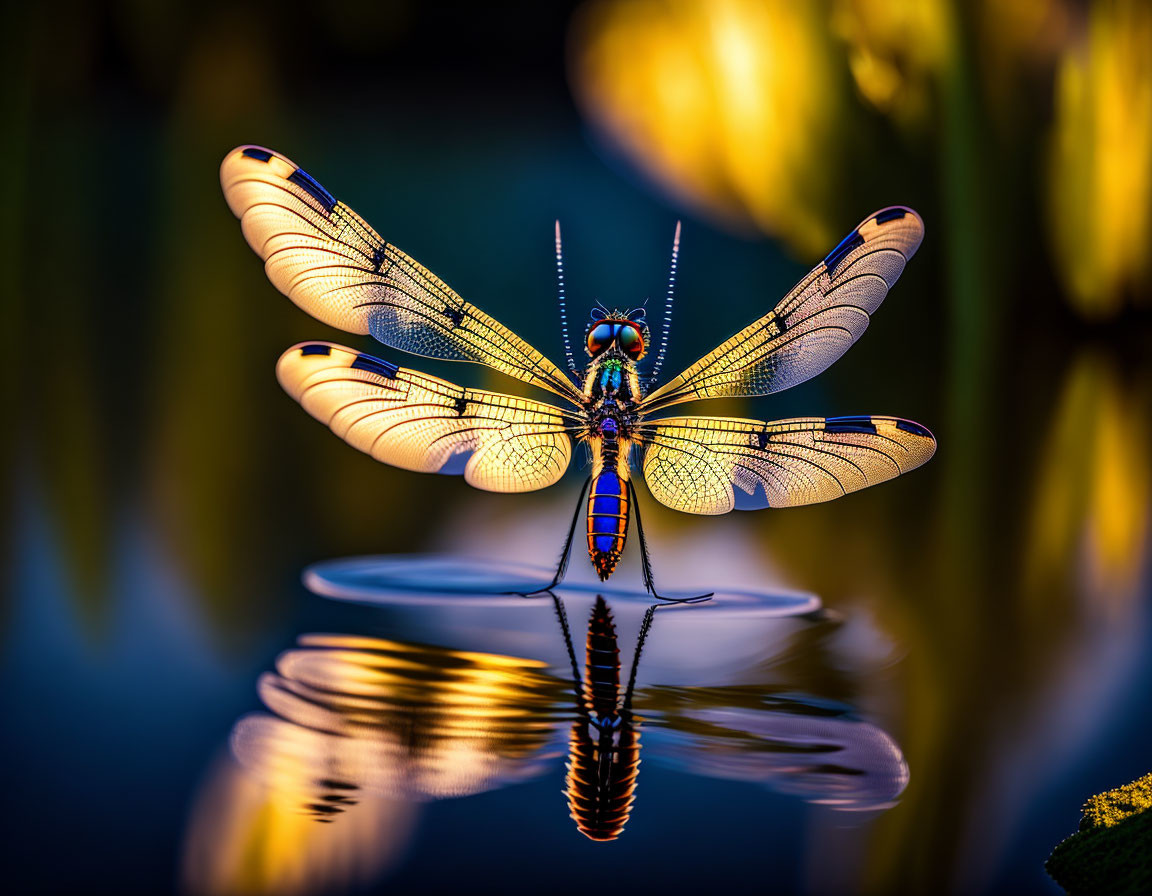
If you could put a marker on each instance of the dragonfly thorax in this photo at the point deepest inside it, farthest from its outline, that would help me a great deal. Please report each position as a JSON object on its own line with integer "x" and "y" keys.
{"x": 612, "y": 376}
{"x": 611, "y": 392}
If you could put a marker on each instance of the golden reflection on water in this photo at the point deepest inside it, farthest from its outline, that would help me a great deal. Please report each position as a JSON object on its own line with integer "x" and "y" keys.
{"x": 363, "y": 728}
{"x": 1093, "y": 491}
{"x": 247, "y": 835}
{"x": 403, "y": 720}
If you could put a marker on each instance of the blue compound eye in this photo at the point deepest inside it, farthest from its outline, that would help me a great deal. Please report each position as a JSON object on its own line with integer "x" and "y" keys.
{"x": 600, "y": 337}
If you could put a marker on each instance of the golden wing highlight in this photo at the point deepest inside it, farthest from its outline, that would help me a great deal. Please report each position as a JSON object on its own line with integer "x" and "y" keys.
{"x": 327, "y": 260}
{"x": 711, "y": 465}
{"x": 810, "y": 327}
{"x": 500, "y": 443}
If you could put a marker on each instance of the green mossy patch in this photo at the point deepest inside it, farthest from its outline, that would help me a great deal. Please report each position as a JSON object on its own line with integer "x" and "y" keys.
{"x": 1107, "y": 809}
{"x": 1112, "y": 851}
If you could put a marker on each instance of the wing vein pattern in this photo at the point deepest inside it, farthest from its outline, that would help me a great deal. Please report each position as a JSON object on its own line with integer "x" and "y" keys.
{"x": 408, "y": 419}
{"x": 712, "y": 465}
{"x": 326, "y": 258}
{"x": 810, "y": 327}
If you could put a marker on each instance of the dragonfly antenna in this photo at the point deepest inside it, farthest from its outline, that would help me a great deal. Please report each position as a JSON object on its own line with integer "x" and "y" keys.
{"x": 563, "y": 303}
{"x": 667, "y": 325}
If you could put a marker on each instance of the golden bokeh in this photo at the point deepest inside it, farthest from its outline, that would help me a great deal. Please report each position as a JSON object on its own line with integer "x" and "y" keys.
{"x": 1100, "y": 174}
{"x": 734, "y": 106}
{"x": 894, "y": 50}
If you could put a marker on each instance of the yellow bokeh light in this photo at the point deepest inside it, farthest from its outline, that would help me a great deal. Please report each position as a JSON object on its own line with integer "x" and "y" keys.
{"x": 1100, "y": 176}
{"x": 895, "y": 48}
{"x": 733, "y": 106}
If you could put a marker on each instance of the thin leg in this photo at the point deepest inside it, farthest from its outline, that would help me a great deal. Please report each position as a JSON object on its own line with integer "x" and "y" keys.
{"x": 563, "y": 567}
{"x": 646, "y": 562}
{"x": 562, "y": 615}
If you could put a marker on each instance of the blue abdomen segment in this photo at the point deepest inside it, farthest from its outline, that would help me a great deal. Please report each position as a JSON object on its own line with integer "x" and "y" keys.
{"x": 607, "y": 521}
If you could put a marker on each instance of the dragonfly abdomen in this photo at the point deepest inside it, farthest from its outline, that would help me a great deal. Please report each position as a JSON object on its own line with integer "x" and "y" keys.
{"x": 607, "y": 521}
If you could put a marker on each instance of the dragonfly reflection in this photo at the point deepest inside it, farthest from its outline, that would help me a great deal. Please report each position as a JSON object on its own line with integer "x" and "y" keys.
{"x": 331, "y": 263}
{"x": 355, "y": 715}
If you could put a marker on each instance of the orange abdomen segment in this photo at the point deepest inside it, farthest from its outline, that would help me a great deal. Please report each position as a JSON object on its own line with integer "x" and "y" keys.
{"x": 607, "y": 521}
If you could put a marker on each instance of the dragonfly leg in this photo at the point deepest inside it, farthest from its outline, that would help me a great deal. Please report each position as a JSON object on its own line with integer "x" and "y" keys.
{"x": 626, "y": 710}
{"x": 646, "y": 561}
{"x": 563, "y": 567}
{"x": 562, "y": 615}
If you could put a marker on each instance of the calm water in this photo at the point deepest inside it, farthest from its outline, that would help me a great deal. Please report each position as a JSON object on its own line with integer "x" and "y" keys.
{"x": 414, "y": 729}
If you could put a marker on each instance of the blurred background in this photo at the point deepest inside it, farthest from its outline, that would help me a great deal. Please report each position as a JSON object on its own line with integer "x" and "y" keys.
{"x": 161, "y": 494}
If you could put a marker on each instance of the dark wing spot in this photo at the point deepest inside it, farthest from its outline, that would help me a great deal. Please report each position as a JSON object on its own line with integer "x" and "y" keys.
{"x": 915, "y": 428}
{"x": 454, "y": 315}
{"x": 775, "y": 327}
{"x": 890, "y": 214}
{"x": 849, "y": 424}
{"x": 316, "y": 350}
{"x": 255, "y": 152}
{"x": 378, "y": 256}
{"x": 461, "y": 405}
{"x": 306, "y": 182}
{"x": 762, "y": 439}
{"x": 375, "y": 365}
{"x": 847, "y": 244}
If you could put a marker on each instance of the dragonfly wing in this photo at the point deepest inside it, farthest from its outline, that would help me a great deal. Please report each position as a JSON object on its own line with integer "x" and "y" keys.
{"x": 712, "y": 465}
{"x": 401, "y": 417}
{"x": 326, "y": 258}
{"x": 813, "y": 325}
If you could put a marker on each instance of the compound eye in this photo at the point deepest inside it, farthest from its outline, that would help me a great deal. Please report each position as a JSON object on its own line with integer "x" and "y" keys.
{"x": 630, "y": 341}
{"x": 600, "y": 338}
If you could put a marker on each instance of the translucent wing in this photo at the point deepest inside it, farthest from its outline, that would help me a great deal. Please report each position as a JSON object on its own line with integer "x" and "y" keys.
{"x": 324, "y": 257}
{"x": 500, "y": 443}
{"x": 813, "y": 325}
{"x": 712, "y": 465}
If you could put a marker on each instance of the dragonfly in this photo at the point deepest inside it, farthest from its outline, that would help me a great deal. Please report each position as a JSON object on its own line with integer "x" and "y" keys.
{"x": 331, "y": 263}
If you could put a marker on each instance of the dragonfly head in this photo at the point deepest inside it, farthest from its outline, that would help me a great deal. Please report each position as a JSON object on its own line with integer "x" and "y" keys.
{"x": 626, "y": 332}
